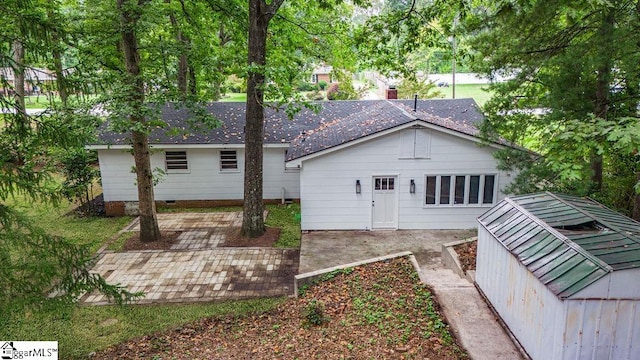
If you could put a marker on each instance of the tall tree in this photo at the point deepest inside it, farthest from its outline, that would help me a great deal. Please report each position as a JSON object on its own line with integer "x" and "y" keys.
{"x": 570, "y": 61}
{"x": 130, "y": 12}
{"x": 260, "y": 14}
{"x": 300, "y": 36}
{"x": 37, "y": 268}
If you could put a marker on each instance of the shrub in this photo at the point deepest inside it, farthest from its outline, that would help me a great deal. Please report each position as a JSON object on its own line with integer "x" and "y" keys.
{"x": 305, "y": 86}
{"x": 314, "y": 313}
{"x": 315, "y": 95}
{"x": 333, "y": 91}
{"x": 322, "y": 84}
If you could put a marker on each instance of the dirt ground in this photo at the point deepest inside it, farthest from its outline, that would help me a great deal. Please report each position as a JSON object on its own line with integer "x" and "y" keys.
{"x": 233, "y": 238}
{"x": 467, "y": 255}
{"x": 374, "y": 311}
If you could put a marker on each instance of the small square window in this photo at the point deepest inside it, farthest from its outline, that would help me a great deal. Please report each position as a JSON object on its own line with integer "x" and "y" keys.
{"x": 176, "y": 162}
{"x": 228, "y": 160}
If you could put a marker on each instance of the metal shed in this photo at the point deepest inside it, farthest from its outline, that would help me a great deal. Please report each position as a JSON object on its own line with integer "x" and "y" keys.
{"x": 563, "y": 273}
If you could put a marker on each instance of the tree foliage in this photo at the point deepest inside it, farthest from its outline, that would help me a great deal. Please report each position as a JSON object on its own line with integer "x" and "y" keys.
{"x": 572, "y": 94}
{"x": 37, "y": 268}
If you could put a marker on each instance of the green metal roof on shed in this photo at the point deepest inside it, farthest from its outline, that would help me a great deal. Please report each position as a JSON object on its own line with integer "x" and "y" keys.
{"x": 567, "y": 242}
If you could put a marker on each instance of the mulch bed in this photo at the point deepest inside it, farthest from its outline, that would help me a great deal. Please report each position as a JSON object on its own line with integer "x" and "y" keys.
{"x": 234, "y": 238}
{"x": 375, "y": 311}
{"x": 167, "y": 239}
{"x": 467, "y": 255}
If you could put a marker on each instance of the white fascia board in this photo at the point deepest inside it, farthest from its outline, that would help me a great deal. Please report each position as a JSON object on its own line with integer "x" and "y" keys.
{"x": 184, "y": 146}
{"x": 298, "y": 162}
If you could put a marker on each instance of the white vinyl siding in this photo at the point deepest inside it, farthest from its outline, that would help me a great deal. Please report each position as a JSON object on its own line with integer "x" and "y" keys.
{"x": 465, "y": 190}
{"x": 204, "y": 180}
{"x": 228, "y": 160}
{"x": 336, "y": 205}
{"x": 176, "y": 162}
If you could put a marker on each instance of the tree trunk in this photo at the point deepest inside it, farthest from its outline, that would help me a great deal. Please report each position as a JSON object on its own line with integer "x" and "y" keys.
{"x": 183, "y": 63}
{"x": 193, "y": 85}
{"x": 61, "y": 81}
{"x": 635, "y": 213}
{"x": 259, "y": 16}
{"x": 149, "y": 230}
{"x": 18, "y": 83}
{"x": 603, "y": 82}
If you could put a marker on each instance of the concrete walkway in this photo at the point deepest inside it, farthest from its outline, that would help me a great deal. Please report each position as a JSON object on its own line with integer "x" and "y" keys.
{"x": 196, "y": 268}
{"x": 469, "y": 316}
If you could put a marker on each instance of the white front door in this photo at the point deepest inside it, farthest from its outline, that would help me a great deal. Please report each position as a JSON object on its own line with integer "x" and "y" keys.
{"x": 385, "y": 205}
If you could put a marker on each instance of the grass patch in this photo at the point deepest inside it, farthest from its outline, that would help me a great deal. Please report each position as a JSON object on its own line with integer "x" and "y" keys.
{"x": 118, "y": 244}
{"x": 475, "y": 91}
{"x": 284, "y": 217}
{"x": 81, "y": 330}
{"x": 234, "y": 97}
{"x": 57, "y": 220}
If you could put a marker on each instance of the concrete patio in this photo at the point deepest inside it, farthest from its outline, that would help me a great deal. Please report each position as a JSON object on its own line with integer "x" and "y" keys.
{"x": 324, "y": 249}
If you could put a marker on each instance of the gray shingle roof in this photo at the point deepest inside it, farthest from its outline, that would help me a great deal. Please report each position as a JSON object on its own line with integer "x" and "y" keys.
{"x": 458, "y": 114}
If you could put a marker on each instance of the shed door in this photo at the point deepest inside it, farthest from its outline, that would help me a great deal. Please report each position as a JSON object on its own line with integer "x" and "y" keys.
{"x": 385, "y": 208}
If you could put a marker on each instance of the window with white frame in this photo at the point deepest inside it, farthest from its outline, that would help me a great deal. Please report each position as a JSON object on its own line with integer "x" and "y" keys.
{"x": 460, "y": 190}
{"x": 314, "y": 78}
{"x": 176, "y": 162}
{"x": 228, "y": 160}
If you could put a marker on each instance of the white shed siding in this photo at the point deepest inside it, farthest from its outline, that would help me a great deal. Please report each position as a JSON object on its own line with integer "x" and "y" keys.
{"x": 328, "y": 182}
{"x": 203, "y": 181}
{"x": 613, "y": 286}
{"x": 531, "y": 311}
{"x": 602, "y": 329}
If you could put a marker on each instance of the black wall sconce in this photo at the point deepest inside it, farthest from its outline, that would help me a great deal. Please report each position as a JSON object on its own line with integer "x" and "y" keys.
{"x": 358, "y": 187}
{"x": 412, "y": 187}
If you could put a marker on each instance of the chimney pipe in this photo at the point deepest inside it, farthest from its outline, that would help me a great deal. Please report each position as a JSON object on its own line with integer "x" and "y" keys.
{"x": 415, "y": 102}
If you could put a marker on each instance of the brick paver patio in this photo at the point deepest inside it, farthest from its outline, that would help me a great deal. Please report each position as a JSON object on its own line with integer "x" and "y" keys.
{"x": 195, "y": 269}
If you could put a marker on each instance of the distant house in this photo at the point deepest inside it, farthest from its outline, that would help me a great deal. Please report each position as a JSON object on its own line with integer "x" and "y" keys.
{"x": 322, "y": 73}
{"x": 374, "y": 164}
{"x": 34, "y": 80}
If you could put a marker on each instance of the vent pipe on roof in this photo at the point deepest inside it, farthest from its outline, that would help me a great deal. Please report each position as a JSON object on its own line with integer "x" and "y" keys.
{"x": 415, "y": 102}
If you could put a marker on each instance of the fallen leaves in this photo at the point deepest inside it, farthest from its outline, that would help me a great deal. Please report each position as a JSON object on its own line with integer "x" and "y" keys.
{"x": 376, "y": 311}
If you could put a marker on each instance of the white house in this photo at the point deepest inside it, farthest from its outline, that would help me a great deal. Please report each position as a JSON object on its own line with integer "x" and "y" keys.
{"x": 374, "y": 164}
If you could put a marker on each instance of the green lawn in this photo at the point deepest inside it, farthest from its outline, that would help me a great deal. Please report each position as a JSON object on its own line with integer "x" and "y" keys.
{"x": 82, "y": 230}
{"x": 84, "y": 329}
{"x": 81, "y": 330}
{"x": 474, "y": 91}
{"x": 234, "y": 97}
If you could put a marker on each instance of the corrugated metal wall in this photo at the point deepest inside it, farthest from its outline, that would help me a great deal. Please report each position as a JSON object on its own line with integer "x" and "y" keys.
{"x": 602, "y": 329}
{"x": 532, "y": 312}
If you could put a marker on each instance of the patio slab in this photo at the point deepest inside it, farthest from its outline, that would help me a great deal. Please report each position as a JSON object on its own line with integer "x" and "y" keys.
{"x": 324, "y": 249}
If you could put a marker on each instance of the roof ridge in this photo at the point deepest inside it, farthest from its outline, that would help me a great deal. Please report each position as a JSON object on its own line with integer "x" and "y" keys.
{"x": 595, "y": 218}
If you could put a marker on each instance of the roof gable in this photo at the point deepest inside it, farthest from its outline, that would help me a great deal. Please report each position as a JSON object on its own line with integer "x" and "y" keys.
{"x": 380, "y": 117}
{"x": 566, "y": 242}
